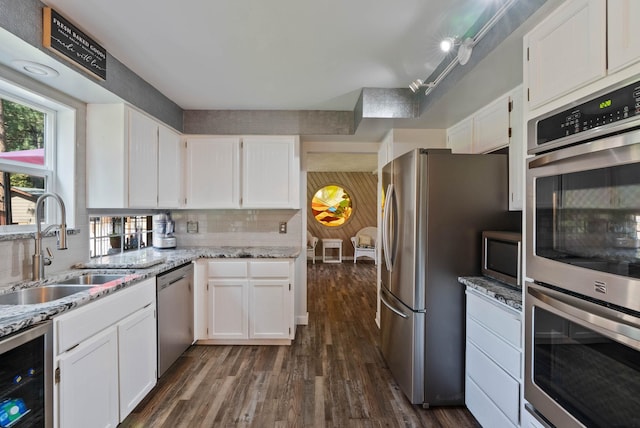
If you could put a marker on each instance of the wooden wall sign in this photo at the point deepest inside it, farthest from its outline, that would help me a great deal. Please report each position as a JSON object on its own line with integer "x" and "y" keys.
{"x": 66, "y": 40}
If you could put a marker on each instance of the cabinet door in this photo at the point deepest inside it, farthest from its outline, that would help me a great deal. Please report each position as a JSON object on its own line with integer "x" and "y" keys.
{"x": 623, "y": 43}
{"x": 517, "y": 144}
{"x": 200, "y": 300}
{"x": 566, "y": 51}
{"x": 106, "y": 160}
{"x": 137, "y": 355}
{"x": 228, "y": 309}
{"x": 143, "y": 161}
{"x": 169, "y": 168}
{"x": 459, "y": 137}
{"x": 212, "y": 172}
{"x": 88, "y": 388}
{"x": 270, "y": 173}
{"x": 269, "y": 309}
{"x": 491, "y": 126}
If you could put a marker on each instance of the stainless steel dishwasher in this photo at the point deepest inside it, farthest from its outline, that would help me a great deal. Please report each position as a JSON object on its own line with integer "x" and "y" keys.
{"x": 174, "y": 290}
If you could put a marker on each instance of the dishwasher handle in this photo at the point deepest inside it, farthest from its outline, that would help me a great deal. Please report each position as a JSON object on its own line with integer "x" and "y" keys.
{"x": 163, "y": 285}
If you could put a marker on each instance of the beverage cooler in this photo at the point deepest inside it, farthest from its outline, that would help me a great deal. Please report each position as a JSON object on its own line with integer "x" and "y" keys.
{"x": 26, "y": 378}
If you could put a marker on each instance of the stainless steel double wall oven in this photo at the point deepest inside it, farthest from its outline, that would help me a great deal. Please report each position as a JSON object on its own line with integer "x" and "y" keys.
{"x": 582, "y": 302}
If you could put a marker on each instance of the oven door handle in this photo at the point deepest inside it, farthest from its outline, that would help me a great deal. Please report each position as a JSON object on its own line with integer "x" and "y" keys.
{"x": 616, "y": 325}
{"x": 623, "y": 146}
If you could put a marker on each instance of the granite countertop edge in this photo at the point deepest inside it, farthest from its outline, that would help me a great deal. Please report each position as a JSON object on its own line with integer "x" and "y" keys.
{"x": 503, "y": 293}
{"x": 135, "y": 267}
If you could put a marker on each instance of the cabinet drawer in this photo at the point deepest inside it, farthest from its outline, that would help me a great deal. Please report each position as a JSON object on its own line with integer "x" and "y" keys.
{"x": 78, "y": 325}
{"x": 483, "y": 409}
{"x": 228, "y": 269}
{"x": 269, "y": 269}
{"x": 497, "y": 385}
{"x": 505, "y": 355}
{"x": 504, "y": 324}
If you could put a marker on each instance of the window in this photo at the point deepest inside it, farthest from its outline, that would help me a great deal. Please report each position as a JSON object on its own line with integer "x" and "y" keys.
{"x": 331, "y": 206}
{"x": 113, "y": 235}
{"x": 25, "y": 158}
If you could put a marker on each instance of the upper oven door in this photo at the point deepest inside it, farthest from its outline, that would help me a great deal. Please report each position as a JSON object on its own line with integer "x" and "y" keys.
{"x": 583, "y": 219}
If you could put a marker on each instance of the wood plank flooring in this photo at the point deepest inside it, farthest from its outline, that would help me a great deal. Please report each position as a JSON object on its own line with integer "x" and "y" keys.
{"x": 332, "y": 376}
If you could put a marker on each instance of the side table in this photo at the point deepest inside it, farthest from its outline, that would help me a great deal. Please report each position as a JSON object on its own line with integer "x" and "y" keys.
{"x": 328, "y": 244}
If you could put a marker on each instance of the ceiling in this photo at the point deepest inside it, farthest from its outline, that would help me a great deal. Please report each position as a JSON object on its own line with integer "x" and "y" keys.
{"x": 277, "y": 54}
{"x": 291, "y": 55}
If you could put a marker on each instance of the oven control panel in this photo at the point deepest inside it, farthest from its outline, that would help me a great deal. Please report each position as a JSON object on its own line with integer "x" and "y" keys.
{"x": 612, "y": 107}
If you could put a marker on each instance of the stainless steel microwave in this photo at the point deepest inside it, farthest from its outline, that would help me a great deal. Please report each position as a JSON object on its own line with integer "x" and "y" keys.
{"x": 502, "y": 256}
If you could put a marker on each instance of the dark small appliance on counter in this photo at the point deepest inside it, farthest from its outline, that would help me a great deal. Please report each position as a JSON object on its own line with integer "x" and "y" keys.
{"x": 502, "y": 256}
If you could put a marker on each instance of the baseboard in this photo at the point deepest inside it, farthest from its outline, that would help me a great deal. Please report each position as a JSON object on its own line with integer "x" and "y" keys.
{"x": 302, "y": 319}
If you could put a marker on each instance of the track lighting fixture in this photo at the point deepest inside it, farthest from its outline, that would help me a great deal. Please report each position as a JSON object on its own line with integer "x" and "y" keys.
{"x": 448, "y": 43}
{"x": 465, "y": 48}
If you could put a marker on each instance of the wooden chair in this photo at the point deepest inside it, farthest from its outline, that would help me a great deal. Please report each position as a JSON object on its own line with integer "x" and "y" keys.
{"x": 312, "y": 241}
{"x": 364, "y": 244}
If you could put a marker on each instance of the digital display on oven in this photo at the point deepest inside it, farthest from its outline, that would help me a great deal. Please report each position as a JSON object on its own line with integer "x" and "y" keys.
{"x": 615, "y": 106}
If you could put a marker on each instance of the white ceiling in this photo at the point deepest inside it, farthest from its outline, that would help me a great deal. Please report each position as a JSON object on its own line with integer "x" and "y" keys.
{"x": 277, "y": 54}
{"x": 289, "y": 54}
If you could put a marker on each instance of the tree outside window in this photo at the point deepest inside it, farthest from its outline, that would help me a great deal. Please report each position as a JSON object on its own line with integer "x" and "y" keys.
{"x": 22, "y": 145}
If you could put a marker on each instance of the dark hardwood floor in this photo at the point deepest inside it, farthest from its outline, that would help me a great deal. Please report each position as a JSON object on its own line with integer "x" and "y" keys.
{"x": 332, "y": 376}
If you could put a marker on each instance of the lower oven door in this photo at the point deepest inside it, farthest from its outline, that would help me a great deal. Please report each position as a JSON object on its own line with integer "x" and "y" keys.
{"x": 582, "y": 364}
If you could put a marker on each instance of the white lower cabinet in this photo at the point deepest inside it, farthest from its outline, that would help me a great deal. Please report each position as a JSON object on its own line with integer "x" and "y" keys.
{"x": 493, "y": 368}
{"x": 228, "y": 309}
{"x": 88, "y": 383}
{"x": 105, "y": 358}
{"x": 248, "y": 302}
{"x": 137, "y": 358}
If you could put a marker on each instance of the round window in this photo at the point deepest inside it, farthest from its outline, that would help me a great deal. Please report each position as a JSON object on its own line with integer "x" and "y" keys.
{"x": 331, "y": 206}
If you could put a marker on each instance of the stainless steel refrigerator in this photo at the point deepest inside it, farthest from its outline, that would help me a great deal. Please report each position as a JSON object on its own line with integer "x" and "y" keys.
{"x": 436, "y": 206}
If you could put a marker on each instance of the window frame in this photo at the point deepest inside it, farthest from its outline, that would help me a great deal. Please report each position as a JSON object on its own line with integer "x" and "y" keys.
{"x": 55, "y": 110}
{"x": 346, "y": 190}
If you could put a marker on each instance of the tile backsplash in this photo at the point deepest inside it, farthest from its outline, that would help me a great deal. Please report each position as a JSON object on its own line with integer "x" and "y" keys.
{"x": 238, "y": 228}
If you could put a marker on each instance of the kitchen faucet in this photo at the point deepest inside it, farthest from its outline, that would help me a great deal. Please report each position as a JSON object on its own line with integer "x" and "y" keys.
{"x": 39, "y": 261}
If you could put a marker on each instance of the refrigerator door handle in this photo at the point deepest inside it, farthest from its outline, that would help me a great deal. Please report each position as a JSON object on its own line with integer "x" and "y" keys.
{"x": 391, "y": 308}
{"x": 386, "y": 225}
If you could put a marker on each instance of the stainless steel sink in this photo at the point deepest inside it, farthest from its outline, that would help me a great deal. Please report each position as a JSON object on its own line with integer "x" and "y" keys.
{"x": 91, "y": 278}
{"x": 32, "y": 296}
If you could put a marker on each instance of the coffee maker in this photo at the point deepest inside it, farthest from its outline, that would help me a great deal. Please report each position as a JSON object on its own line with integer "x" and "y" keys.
{"x": 163, "y": 228}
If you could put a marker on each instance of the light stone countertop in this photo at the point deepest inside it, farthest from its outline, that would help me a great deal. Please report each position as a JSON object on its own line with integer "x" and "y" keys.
{"x": 134, "y": 266}
{"x": 503, "y": 293}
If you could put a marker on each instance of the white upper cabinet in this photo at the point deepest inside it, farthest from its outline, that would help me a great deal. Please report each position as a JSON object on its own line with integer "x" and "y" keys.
{"x": 517, "y": 146}
{"x": 566, "y": 51}
{"x": 143, "y": 160}
{"x": 270, "y": 172}
{"x": 460, "y": 136}
{"x": 169, "y": 168}
{"x": 242, "y": 172}
{"x": 133, "y": 161}
{"x": 212, "y": 170}
{"x": 580, "y": 48}
{"x": 491, "y": 126}
{"x": 623, "y": 42}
